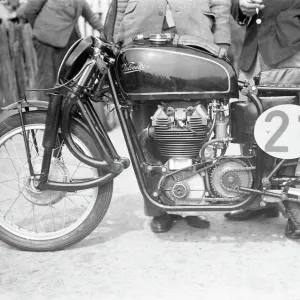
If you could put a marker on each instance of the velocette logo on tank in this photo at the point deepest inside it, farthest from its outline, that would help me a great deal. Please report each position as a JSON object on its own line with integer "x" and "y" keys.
{"x": 134, "y": 67}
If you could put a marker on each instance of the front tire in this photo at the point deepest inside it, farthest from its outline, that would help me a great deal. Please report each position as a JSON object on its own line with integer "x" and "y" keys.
{"x": 32, "y": 220}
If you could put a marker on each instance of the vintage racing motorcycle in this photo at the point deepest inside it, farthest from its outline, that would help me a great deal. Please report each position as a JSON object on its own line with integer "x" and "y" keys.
{"x": 57, "y": 162}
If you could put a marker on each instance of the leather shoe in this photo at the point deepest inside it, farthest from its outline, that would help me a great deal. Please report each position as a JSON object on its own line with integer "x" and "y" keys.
{"x": 243, "y": 215}
{"x": 292, "y": 231}
{"x": 197, "y": 221}
{"x": 161, "y": 223}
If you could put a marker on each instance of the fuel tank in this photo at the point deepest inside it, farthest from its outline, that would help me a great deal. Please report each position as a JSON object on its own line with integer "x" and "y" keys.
{"x": 167, "y": 72}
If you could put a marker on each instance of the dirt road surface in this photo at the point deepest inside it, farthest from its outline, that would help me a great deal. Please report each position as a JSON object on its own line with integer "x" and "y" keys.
{"x": 123, "y": 260}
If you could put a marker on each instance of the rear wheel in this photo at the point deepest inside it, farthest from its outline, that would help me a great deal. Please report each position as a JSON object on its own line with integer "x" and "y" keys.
{"x": 46, "y": 220}
{"x": 293, "y": 211}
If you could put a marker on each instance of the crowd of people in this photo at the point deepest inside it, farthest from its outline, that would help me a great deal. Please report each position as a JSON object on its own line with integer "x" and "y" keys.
{"x": 273, "y": 43}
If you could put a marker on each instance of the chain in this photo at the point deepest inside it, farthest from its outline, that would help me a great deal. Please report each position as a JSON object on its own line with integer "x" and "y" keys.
{"x": 243, "y": 193}
{"x": 236, "y": 190}
{"x": 295, "y": 200}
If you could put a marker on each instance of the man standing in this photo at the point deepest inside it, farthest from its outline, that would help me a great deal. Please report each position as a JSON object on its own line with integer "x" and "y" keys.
{"x": 54, "y": 24}
{"x": 207, "y": 20}
{"x": 275, "y": 43}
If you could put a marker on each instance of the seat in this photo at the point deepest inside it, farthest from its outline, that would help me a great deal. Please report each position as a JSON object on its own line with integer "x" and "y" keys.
{"x": 284, "y": 77}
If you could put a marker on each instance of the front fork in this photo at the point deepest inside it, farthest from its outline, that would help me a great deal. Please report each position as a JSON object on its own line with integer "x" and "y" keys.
{"x": 111, "y": 163}
{"x": 50, "y": 133}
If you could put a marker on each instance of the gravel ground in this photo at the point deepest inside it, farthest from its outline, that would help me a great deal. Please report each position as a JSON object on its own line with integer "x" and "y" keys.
{"x": 123, "y": 259}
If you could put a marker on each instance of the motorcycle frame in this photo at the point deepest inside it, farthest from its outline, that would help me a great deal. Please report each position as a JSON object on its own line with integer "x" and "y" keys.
{"x": 137, "y": 158}
{"x": 112, "y": 162}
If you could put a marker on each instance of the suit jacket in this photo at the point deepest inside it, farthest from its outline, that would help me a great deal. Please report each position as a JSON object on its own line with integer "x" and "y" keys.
{"x": 207, "y": 19}
{"x": 53, "y": 21}
{"x": 276, "y": 38}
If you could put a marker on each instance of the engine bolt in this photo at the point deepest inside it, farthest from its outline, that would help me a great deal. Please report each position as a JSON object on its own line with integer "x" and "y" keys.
{"x": 206, "y": 194}
{"x": 35, "y": 183}
{"x": 155, "y": 194}
{"x": 230, "y": 179}
{"x": 149, "y": 168}
{"x": 170, "y": 111}
{"x": 164, "y": 170}
{"x": 263, "y": 203}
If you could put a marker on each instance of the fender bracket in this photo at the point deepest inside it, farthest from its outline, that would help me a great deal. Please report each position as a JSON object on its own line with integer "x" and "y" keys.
{"x": 27, "y": 103}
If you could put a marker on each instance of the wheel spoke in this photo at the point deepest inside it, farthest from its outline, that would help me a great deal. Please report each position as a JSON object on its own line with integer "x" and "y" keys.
{"x": 6, "y": 181}
{"x": 15, "y": 181}
{"x": 17, "y": 155}
{"x": 11, "y": 159}
{"x": 88, "y": 202}
{"x": 75, "y": 204}
{"x": 20, "y": 193}
{"x": 77, "y": 166}
{"x": 40, "y": 218}
{"x": 33, "y": 211}
{"x": 26, "y": 217}
{"x": 12, "y": 188}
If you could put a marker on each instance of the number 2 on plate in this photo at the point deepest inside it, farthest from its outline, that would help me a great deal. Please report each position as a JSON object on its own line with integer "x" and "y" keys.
{"x": 270, "y": 145}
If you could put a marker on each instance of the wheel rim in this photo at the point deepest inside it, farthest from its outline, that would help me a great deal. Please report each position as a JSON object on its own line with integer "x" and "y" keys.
{"x": 20, "y": 211}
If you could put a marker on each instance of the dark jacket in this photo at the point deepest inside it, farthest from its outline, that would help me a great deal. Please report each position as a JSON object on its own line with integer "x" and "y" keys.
{"x": 53, "y": 21}
{"x": 276, "y": 38}
{"x": 207, "y": 19}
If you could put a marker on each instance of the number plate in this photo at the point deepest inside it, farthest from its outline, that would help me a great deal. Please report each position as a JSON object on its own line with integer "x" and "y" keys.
{"x": 277, "y": 131}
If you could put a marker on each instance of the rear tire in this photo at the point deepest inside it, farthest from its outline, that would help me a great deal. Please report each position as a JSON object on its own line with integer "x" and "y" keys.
{"x": 292, "y": 208}
{"x": 39, "y": 239}
{"x": 293, "y": 211}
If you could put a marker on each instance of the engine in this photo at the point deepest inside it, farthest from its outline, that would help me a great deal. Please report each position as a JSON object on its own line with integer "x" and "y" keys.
{"x": 180, "y": 131}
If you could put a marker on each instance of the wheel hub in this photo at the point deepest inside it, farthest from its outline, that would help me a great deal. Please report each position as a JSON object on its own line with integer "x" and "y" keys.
{"x": 180, "y": 190}
{"x": 58, "y": 172}
{"x": 231, "y": 180}
{"x": 229, "y": 174}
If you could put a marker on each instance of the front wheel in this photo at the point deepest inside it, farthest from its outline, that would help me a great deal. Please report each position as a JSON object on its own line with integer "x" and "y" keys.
{"x": 46, "y": 220}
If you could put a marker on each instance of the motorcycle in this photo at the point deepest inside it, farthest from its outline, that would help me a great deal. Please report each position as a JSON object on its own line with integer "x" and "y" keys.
{"x": 58, "y": 162}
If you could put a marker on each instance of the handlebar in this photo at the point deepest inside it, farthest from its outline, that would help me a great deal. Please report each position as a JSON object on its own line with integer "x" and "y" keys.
{"x": 110, "y": 48}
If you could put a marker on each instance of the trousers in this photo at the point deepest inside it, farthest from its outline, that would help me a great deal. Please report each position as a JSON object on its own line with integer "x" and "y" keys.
{"x": 49, "y": 59}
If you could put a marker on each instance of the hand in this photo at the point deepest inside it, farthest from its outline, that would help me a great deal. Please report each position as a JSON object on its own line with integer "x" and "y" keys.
{"x": 224, "y": 46}
{"x": 223, "y": 50}
{"x": 248, "y": 7}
